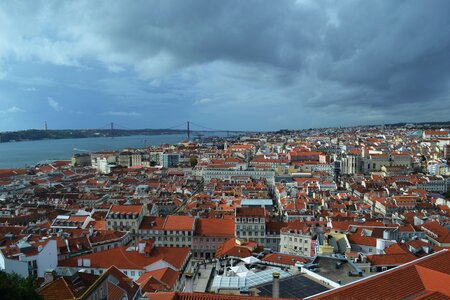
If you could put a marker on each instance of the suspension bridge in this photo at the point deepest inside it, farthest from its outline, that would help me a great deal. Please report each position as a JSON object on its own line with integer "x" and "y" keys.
{"x": 191, "y": 129}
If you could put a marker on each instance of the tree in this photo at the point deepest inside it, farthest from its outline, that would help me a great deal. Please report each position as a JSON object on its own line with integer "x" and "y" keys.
{"x": 193, "y": 161}
{"x": 12, "y": 286}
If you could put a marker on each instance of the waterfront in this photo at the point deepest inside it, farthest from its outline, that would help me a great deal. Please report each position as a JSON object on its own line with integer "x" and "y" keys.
{"x": 21, "y": 154}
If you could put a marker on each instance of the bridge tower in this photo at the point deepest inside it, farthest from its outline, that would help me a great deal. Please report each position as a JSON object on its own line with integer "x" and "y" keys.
{"x": 188, "y": 131}
{"x": 112, "y": 130}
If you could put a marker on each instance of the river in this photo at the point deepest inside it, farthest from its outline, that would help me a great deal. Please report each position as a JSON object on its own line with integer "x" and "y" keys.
{"x": 28, "y": 153}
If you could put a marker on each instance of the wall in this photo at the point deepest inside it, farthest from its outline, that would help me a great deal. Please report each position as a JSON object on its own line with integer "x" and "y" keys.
{"x": 13, "y": 266}
{"x": 47, "y": 258}
{"x": 321, "y": 279}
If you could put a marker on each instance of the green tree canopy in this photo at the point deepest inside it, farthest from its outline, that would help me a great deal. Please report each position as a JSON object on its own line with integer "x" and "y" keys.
{"x": 12, "y": 286}
{"x": 193, "y": 161}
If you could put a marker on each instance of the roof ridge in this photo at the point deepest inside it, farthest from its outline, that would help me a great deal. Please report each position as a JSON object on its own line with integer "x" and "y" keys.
{"x": 382, "y": 274}
{"x": 68, "y": 287}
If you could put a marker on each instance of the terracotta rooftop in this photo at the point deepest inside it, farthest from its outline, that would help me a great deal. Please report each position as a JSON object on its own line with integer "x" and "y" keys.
{"x": 201, "y": 296}
{"x": 390, "y": 259}
{"x": 215, "y": 227}
{"x": 165, "y": 280}
{"x": 250, "y": 212}
{"x": 235, "y": 247}
{"x": 152, "y": 222}
{"x": 420, "y": 279}
{"x": 126, "y": 209}
{"x": 173, "y": 222}
{"x": 123, "y": 259}
{"x": 115, "y": 292}
{"x": 285, "y": 259}
{"x": 437, "y": 231}
{"x": 63, "y": 288}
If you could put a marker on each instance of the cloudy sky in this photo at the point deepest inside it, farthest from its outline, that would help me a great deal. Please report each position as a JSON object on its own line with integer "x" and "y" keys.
{"x": 257, "y": 65}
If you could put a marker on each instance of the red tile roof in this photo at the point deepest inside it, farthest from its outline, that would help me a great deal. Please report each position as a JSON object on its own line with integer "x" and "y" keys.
{"x": 438, "y": 232}
{"x": 390, "y": 259}
{"x": 62, "y": 288}
{"x": 56, "y": 290}
{"x": 123, "y": 259}
{"x": 250, "y": 212}
{"x": 215, "y": 227}
{"x": 152, "y": 222}
{"x": 126, "y": 209}
{"x": 185, "y": 223}
{"x": 115, "y": 292}
{"x": 165, "y": 280}
{"x": 201, "y": 296}
{"x": 124, "y": 282}
{"x": 234, "y": 247}
{"x": 284, "y": 259}
{"x": 425, "y": 276}
{"x": 358, "y": 239}
{"x": 396, "y": 249}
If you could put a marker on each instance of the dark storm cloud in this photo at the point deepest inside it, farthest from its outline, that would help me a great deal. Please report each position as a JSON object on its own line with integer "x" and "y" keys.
{"x": 386, "y": 52}
{"x": 400, "y": 52}
{"x": 381, "y": 58}
{"x": 279, "y": 33}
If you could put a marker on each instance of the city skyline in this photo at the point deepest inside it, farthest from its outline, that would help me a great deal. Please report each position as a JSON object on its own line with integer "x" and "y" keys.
{"x": 233, "y": 65}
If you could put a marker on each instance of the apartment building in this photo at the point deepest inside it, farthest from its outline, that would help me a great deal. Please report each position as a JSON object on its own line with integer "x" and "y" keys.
{"x": 227, "y": 174}
{"x": 29, "y": 258}
{"x": 209, "y": 235}
{"x": 125, "y": 218}
{"x": 178, "y": 231}
{"x": 297, "y": 239}
{"x": 251, "y": 224}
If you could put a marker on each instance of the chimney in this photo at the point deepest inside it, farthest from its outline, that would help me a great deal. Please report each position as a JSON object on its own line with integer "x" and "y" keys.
{"x": 189, "y": 282}
{"x": 148, "y": 247}
{"x": 218, "y": 266}
{"x": 141, "y": 247}
{"x": 66, "y": 241}
{"x": 276, "y": 285}
{"x": 49, "y": 276}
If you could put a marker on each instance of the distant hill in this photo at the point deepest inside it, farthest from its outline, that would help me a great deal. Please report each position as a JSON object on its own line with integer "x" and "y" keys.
{"x": 34, "y": 134}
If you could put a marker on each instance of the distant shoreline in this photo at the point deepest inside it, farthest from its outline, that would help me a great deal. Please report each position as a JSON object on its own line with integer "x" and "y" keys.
{"x": 30, "y": 153}
{"x": 40, "y": 135}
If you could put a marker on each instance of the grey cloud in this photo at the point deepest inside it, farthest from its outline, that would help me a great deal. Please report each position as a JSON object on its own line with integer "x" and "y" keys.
{"x": 54, "y": 104}
{"x": 377, "y": 56}
{"x": 122, "y": 114}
